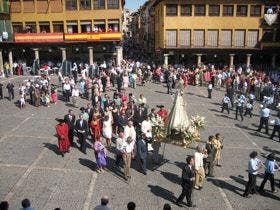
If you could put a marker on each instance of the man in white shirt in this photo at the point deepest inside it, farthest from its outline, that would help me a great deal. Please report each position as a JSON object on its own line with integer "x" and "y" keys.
{"x": 127, "y": 153}
{"x": 210, "y": 87}
{"x": 75, "y": 95}
{"x": 198, "y": 166}
{"x": 129, "y": 131}
{"x": 146, "y": 127}
{"x": 119, "y": 146}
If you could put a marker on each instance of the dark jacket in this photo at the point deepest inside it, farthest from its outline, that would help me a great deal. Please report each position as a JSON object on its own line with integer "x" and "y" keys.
{"x": 142, "y": 149}
{"x": 70, "y": 123}
{"x": 187, "y": 175}
{"x": 210, "y": 152}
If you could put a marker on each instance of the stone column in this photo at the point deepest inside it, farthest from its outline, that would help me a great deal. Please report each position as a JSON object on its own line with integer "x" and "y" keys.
{"x": 63, "y": 52}
{"x": 199, "y": 59}
{"x": 90, "y": 52}
{"x": 165, "y": 60}
{"x": 11, "y": 62}
{"x": 248, "y": 61}
{"x": 1, "y": 64}
{"x": 231, "y": 60}
{"x": 119, "y": 55}
{"x": 36, "y": 52}
{"x": 273, "y": 61}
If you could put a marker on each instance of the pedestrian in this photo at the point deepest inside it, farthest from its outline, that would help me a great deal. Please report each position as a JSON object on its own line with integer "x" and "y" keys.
{"x": 62, "y": 134}
{"x": 264, "y": 117}
{"x": 131, "y": 206}
{"x": 119, "y": 145}
{"x": 249, "y": 108}
{"x": 1, "y": 90}
{"x": 225, "y": 103}
{"x": 67, "y": 90}
{"x": 75, "y": 95}
{"x": 4, "y": 205}
{"x": 104, "y": 202}
{"x": 251, "y": 97}
{"x": 127, "y": 154}
{"x": 100, "y": 154}
{"x": 70, "y": 121}
{"x": 276, "y": 127}
{"x": 10, "y": 86}
{"x": 82, "y": 130}
{"x": 166, "y": 206}
{"x": 142, "y": 149}
{"x": 94, "y": 128}
{"x": 239, "y": 107}
{"x": 210, "y": 151}
{"x": 218, "y": 144}
{"x": 198, "y": 166}
{"x": 270, "y": 168}
{"x": 188, "y": 177}
{"x": 26, "y": 205}
{"x": 254, "y": 166}
{"x": 210, "y": 88}
{"x": 107, "y": 130}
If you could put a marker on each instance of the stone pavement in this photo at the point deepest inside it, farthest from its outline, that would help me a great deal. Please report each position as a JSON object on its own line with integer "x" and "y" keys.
{"x": 31, "y": 168}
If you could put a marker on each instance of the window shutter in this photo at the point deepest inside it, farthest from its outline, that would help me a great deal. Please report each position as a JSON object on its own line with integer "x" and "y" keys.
{"x": 226, "y": 38}
{"x": 198, "y": 38}
{"x": 185, "y": 38}
{"x": 212, "y": 38}
{"x": 239, "y": 38}
{"x": 171, "y": 38}
{"x": 253, "y": 36}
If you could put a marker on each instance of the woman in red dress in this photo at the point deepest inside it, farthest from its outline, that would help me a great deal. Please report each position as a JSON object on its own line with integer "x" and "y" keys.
{"x": 95, "y": 128}
{"x": 62, "y": 134}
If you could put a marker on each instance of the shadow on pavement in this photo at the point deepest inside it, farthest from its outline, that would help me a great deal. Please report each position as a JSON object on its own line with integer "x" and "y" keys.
{"x": 88, "y": 163}
{"x": 52, "y": 147}
{"x": 163, "y": 193}
{"x": 174, "y": 178}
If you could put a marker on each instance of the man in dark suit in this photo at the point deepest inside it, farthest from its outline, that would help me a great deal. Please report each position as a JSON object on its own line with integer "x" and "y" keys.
{"x": 96, "y": 99}
{"x": 89, "y": 110}
{"x": 187, "y": 182}
{"x": 142, "y": 149}
{"x": 140, "y": 115}
{"x": 70, "y": 121}
{"x": 119, "y": 82}
{"x": 82, "y": 130}
{"x": 209, "y": 162}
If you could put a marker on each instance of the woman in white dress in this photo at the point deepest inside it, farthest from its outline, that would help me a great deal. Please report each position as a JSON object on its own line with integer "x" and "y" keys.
{"x": 107, "y": 130}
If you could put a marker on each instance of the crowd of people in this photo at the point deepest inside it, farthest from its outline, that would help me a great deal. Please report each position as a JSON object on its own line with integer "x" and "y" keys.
{"x": 131, "y": 122}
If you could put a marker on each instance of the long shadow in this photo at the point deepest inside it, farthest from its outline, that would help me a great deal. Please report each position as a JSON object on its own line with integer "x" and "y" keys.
{"x": 277, "y": 152}
{"x": 174, "y": 178}
{"x": 52, "y": 147}
{"x": 215, "y": 103}
{"x": 258, "y": 134}
{"x": 88, "y": 163}
{"x": 157, "y": 91}
{"x": 244, "y": 127}
{"x": 215, "y": 110}
{"x": 224, "y": 116}
{"x": 224, "y": 185}
{"x": 111, "y": 167}
{"x": 181, "y": 165}
{"x": 163, "y": 193}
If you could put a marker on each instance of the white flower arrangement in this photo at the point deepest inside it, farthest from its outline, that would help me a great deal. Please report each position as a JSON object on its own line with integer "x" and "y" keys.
{"x": 198, "y": 121}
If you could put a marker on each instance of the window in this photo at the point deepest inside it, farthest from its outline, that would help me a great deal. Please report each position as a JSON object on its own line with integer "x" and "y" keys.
{"x": 56, "y": 6}
{"x": 253, "y": 37}
{"x": 171, "y": 10}
{"x": 185, "y": 38}
{"x": 71, "y": 4}
{"x": 30, "y": 27}
{"x": 99, "y": 26}
{"x": 228, "y": 10}
{"x": 113, "y": 26}
{"x": 58, "y": 26}
{"x": 15, "y": 6}
{"x": 212, "y": 38}
{"x": 17, "y": 27}
{"x": 72, "y": 27}
{"x": 44, "y": 27}
{"x": 214, "y": 10}
{"x": 85, "y": 4}
{"x": 42, "y": 6}
{"x": 113, "y": 4}
{"x": 255, "y": 10}
{"x": 242, "y": 10}
{"x": 85, "y": 26}
{"x": 186, "y": 10}
{"x": 226, "y": 38}
{"x": 171, "y": 38}
{"x": 99, "y": 4}
{"x": 239, "y": 38}
{"x": 28, "y": 6}
{"x": 198, "y": 38}
{"x": 199, "y": 10}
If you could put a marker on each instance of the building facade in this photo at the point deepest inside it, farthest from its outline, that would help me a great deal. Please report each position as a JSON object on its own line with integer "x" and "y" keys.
{"x": 229, "y": 32}
{"x": 77, "y": 30}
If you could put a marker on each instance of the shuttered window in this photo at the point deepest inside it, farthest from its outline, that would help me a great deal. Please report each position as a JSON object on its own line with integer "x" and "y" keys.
{"x": 239, "y": 38}
{"x": 198, "y": 38}
{"x": 28, "y": 6}
{"x": 56, "y": 6}
{"x": 15, "y": 6}
{"x": 212, "y": 38}
{"x": 185, "y": 38}
{"x": 171, "y": 38}
{"x": 253, "y": 36}
{"x": 226, "y": 38}
{"x": 42, "y": 6}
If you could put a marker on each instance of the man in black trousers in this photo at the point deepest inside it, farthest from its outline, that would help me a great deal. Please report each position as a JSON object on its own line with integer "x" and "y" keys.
{"x": 70, "y": 121}
{"x": 82, "y": 130}
{"x": 143, "y": 152}
{"x": 187, "y": 182}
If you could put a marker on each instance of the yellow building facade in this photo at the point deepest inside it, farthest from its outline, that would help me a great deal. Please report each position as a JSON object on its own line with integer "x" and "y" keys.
{"x": 209, "y": 29}
{"x": 89, "y": 30}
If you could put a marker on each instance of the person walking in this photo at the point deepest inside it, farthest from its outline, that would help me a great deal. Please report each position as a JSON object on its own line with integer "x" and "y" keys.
{"x": 276, "y": 127}
{"x": 210, "y": 88}
{"x": 142, "y": 149}
{"x": 70, "y": 120}
{"x": 127, "y": 153}
{"x": 209, "y": 163}
{"x": 264, "y": 117}
{"x": 100, "y": 154}
{"x": 254, "y": 166}
{"x": 62, "y": 134}
{"x": 239, "y": 107}
{"x": 103, "y": 206}
{"x": 82, "y": 130}
{"x": 188, "y": 177}
{"x": 119, "y": 145}
{"x": 270, "y": 168}
{"x": 10, "y": 87}
{"x": 225, "y": 102}
{"x": 218, "y": 144}
{"x": 198, "y": 166}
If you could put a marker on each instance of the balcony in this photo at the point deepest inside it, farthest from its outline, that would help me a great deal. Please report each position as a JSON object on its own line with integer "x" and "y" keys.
{"x": 66, "y": 37}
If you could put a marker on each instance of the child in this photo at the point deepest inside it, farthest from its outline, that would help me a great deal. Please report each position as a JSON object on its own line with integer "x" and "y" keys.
{"x": 249, "y": 108}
